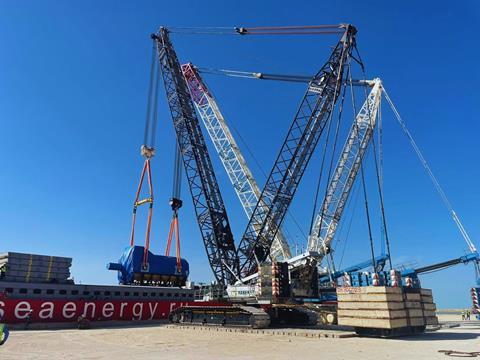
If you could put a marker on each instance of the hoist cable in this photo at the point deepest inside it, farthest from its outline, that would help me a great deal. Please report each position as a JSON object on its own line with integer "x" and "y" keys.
{"x": 382, "y": 207}
{"x": 262, "y": 170}
{"x": 155, "y": 109}
{"x": 355, "y": 196}
{"x": 380, "y": 164}
{"x": 329, "y": 256}
{"x": 150, "y": 94}
{"x": 379, "y": 179}
{"x": 319, "y": 181}
{"x": 177, "y": 173}
{"x": 434, "y": 180}
{"x": 330, "y": 170}
{"x": 332, "y": 157}
{"x": 368, "y": 217}
{"x": 372, "y": 250}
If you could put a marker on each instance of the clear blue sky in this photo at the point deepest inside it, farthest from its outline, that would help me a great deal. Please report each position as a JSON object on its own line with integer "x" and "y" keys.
{"x": 73, "y": 86}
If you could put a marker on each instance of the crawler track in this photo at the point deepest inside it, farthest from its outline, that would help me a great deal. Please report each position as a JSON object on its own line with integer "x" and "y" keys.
{"x": 236, "y": 315}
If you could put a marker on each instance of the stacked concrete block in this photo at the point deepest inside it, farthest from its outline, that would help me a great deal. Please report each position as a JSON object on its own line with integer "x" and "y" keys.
{"x": 18, "y": 267}
{"x": 428, "y": 306}
{"x": 382, "y": 307}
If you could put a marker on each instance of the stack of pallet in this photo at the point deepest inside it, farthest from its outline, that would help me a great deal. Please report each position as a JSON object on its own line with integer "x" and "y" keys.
{"x": 18, "y": 267}
{"x": 386, "y": 310}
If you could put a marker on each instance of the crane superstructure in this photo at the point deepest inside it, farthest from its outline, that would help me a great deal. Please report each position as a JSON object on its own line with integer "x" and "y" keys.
{"x": 229, "y": 153}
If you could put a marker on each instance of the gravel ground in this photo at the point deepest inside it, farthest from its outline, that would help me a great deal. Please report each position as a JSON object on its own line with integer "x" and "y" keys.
{"x": 160, "y": 342}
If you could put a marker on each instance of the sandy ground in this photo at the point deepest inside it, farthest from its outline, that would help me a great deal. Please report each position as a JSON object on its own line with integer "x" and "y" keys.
{"x": 160, "y": 342}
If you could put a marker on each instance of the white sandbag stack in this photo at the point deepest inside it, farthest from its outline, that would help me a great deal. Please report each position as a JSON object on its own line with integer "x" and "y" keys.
{"x": 18, "y": 267}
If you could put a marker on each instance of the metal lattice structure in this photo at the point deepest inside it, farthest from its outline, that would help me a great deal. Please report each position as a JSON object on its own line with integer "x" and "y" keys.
{"x": 310, "y": 120}
{"x": 361, "y": 132}
{"x": 229, "y": 153}
{"x": 207, "y": 200}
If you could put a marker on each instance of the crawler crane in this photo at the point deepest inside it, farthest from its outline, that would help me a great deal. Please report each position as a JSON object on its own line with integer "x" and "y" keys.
{"x": 230, "y": 263}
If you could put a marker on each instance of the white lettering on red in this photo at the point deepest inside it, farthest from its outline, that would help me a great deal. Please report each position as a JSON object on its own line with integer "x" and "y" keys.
{"x": 2, "y": 312}
{"x": 172, "y": 306}
{"x": 85, "y": 309}
{"x": 135, "y": 313}
{"x": 69, "y": 310}
{"x": 108, "y": 310}
{"x": 46, "y": 310}
{"x": 22, "y": 309}
{"x": 152, "y": 310}
{"x": 122, "y": 305}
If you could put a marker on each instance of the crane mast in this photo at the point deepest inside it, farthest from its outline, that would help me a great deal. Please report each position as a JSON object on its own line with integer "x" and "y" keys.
{"x": 312, "y": 116}
{"x": 359, "y": 137}
{"x": 208, "y": 203}
{"x": 232, "y": 159}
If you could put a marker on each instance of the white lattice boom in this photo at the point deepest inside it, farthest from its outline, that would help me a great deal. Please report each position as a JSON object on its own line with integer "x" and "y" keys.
{"x": 232, "y": 159}
{"x": 328, "y": 217}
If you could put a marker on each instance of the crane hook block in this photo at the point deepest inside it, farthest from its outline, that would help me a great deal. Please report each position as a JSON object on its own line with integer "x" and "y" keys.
{"x": 147, "y": 152}
{"x": 175, "y": 203}
{"x": 241, "y": 30}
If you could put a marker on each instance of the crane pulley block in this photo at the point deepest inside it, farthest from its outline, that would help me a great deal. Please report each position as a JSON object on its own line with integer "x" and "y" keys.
{"x": 147, "y": 152}
{"x": 175, "y": 204}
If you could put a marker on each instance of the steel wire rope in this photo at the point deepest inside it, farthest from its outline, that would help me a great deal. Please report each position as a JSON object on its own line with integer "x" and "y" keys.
{"x": 177, "y": 173}
{"x": 150, "y": 94}
{"x": 320, "y": 174}
{"x": 436, "y": 184}
{"x": 379, "y": 174}
{"x": 262, "y": 170}
{"x": 278, "y": 30}
{"x": 372, "y": 250}
{"x": 434, "y": 180}
{"x": 330, "y": 260}
{"x": 155, "y": 109}
{"x": 356, "y": 196}
{"x": 379, "y": 178}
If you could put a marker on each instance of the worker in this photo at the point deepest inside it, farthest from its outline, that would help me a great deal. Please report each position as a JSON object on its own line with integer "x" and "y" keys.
{"x": 4, "y": 333}
{"x": 83, "y": 323}
{"x": 463, "y": 314}
{"x": 468, "y": 315}
{"x": 28, "y": 319}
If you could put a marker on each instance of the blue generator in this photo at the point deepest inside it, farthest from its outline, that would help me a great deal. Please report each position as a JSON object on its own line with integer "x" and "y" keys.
{"x": 160, "y": 270}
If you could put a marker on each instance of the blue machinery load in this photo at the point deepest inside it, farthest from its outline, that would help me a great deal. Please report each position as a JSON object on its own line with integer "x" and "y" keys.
{"x": 161, "y": 270}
